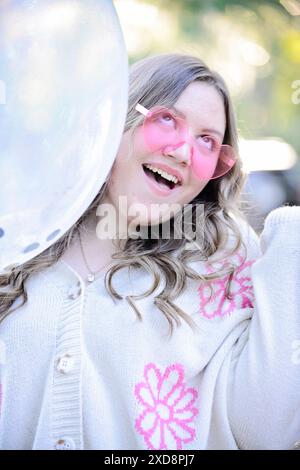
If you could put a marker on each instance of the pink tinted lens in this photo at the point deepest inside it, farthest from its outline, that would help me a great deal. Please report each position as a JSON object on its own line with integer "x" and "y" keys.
{"x": 210, "y": 164}
{"x": 162, "y": 128}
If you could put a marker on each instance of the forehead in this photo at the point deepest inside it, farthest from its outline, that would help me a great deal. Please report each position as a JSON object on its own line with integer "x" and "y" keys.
{"x": 202, "y": 103}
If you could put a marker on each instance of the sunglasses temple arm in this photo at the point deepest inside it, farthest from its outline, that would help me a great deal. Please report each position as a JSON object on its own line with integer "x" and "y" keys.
{"x": 141, "y": 109}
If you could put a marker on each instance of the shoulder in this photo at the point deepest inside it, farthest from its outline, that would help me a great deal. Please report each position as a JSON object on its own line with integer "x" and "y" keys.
{"x": 281, "y": 230}
{"x": 238, "y": 243}
{"x": 208, "y": 296}
{"x": 237, "y": 229}
{"x": 286, "y": 218}
{"x": 290, "y": 214}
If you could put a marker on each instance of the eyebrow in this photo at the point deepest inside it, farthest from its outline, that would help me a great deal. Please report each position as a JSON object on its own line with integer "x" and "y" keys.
{"x": 212, "y": 131}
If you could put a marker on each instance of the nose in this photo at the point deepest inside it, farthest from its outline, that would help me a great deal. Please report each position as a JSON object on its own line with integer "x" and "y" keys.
{"x": 182, "y": 152}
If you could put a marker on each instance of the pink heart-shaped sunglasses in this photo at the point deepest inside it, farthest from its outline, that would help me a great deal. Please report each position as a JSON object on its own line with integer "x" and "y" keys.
{"x": 164, "y": 130}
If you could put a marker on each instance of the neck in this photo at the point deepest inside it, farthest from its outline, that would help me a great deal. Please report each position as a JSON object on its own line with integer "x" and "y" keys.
{"x": 103, "y": 234}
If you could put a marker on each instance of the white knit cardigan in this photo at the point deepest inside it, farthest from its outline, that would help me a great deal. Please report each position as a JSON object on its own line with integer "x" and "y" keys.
{"x": 80, "y": 371}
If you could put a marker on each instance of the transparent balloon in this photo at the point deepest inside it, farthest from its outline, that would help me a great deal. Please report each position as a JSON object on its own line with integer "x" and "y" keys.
{"x": 63, "y": 103}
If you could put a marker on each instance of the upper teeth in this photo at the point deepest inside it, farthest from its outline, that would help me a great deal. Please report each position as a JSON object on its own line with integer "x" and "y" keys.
{"x": 163, "y": 173}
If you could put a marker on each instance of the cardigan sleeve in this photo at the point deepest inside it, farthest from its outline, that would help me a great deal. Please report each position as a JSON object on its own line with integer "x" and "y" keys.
{"x": 264, "y": 380}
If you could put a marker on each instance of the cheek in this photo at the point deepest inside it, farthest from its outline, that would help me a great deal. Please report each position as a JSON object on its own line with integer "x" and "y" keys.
{"x": 118, "y": 181}
{"x": 121, "y": 176}
{"x": 139, "y": 148}
{"x": 130, "y": 153}
{"x": 202, "y": 167}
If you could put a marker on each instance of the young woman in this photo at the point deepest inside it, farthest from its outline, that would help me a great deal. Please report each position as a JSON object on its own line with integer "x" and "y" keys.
{"x": 89, "y": 363}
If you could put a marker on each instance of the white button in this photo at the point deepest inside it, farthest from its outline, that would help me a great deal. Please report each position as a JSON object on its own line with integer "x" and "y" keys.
{"x": 296, "y": 445}
{"x": 74, "y": 291}
{"x": 65, "y": 364}
{"x": 65, "y": 443}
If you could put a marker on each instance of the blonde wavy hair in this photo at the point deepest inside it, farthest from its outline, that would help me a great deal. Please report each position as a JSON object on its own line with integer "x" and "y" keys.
{"x": 158, "y": 80}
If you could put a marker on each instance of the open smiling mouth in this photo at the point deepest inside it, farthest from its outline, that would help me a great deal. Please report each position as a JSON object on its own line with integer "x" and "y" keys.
{"x": 160, "y": 179}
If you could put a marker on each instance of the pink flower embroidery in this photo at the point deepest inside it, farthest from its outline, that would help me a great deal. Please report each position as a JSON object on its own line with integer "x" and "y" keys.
{"x": 166, "y": 421}
{"x": 241, "y": 292}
